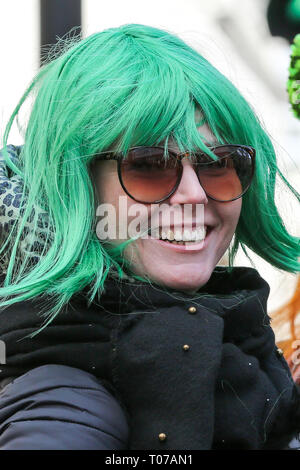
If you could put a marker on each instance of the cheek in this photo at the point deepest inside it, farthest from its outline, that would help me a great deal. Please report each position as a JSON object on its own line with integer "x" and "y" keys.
{"x": 107, "y": 184}
{"x": 230, "y": 214}
{"x": 110, "y": 191}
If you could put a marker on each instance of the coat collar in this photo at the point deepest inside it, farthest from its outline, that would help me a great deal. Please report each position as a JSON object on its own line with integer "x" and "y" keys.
{"x": 239, "y": 297}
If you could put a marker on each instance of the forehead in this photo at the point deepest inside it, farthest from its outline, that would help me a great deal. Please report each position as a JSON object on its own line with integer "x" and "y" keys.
{"x": 204, "y": 131}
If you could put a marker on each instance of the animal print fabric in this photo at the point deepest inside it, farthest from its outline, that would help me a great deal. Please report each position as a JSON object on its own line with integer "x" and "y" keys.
{"x": 11, "y": 211}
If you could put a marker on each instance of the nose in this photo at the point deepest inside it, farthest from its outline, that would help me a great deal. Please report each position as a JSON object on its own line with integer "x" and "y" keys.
{"x": 189, "y": 190}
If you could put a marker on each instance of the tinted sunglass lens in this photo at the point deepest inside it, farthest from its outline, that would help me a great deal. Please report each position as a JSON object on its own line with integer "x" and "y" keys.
{"x": 147, "y": 175}
{"x": 230, "y": 176}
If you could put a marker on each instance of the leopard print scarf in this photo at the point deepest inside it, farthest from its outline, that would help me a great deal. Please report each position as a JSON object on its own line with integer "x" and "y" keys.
{"x": 11, "y": 211}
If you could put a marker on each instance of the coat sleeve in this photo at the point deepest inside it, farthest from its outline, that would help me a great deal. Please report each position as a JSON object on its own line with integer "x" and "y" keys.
{"x": 59, "y": 407}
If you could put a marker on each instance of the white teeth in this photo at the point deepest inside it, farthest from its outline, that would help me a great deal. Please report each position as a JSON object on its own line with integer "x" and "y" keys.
{"x": 178, "y": 235}
{"x": 201, "y": 233}
{"x": 187, "y": 235}
{"x": 170, "y": 235}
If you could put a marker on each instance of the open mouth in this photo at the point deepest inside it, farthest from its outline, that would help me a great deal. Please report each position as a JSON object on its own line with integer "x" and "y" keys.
{"x": 186, "y": 237}
{"x": 182, "y": 240}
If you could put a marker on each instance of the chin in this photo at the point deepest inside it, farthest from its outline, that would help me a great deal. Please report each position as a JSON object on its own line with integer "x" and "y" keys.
{"x": 185, "y": 281}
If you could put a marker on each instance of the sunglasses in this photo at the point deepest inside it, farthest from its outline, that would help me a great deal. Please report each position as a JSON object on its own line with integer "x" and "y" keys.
{"x": 148, "y": 176}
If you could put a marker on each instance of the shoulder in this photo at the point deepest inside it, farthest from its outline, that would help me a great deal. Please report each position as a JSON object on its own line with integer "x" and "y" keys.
{"x": 60, "y": 407}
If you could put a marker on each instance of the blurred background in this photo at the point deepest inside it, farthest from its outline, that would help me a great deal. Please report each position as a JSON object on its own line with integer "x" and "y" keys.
{"x": 247, "y": 41}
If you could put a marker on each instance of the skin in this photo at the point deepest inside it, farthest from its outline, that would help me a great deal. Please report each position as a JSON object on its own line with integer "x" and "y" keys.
{"x": 188, "y": 271}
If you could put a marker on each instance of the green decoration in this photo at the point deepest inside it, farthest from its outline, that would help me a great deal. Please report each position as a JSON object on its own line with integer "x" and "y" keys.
{"x": 293, "y": 83}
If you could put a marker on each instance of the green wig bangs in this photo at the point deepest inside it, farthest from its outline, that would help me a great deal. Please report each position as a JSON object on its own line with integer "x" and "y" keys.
{"x": 123, "y": 87}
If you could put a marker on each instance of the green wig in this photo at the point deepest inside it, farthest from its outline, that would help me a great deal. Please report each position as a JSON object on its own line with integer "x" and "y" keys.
{"x": 126, "y": 86}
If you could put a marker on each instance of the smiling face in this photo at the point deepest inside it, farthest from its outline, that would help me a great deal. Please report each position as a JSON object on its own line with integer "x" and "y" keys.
{"x": 166, "y": 263}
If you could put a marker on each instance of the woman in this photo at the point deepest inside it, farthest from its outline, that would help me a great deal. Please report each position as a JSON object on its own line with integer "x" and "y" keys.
{"x": 146, "y": 343}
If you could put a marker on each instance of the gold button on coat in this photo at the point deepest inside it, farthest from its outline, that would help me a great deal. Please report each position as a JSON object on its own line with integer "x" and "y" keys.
{"x": 185, "y": 347}
{"x": 162, "y": 436}
{"x": 192, "y": 310}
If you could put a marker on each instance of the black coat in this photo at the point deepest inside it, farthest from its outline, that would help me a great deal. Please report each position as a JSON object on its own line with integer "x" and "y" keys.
{"x": 187, "y": 372}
